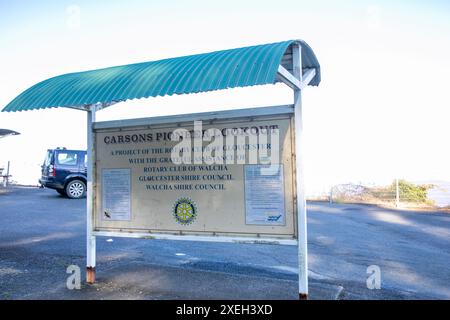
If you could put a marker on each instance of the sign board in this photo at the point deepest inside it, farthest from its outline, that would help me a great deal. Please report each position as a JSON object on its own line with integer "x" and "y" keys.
{"x": 228, "y": 174}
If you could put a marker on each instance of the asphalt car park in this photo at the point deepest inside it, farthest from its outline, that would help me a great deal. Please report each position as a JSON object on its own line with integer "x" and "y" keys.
{"x": 42, "y": 233}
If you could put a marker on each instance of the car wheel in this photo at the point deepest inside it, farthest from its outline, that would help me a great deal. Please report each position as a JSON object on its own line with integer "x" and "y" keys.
{"x": 62, "y": 192}
{"x": 76, "y": 189}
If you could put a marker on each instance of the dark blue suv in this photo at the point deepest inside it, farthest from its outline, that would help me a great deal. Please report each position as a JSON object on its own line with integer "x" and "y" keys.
{"x": 65, "y": 171}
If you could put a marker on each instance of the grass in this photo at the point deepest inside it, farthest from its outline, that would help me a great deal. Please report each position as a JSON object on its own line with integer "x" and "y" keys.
{"x": 6, "y": 296}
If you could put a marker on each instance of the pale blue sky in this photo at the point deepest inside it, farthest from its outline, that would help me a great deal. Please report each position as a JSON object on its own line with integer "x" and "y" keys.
{"x": 381, "y": 111}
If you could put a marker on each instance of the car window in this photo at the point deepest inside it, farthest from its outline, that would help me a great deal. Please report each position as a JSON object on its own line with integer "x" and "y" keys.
{"x": 67, "y": 158}
{"x": 48, "y": 158}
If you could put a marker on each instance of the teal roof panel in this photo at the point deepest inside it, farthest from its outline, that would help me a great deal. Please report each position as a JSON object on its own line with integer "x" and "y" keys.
{"x": 242, "y": 67}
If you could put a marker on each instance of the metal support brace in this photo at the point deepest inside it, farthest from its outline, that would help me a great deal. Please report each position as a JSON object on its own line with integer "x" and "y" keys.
{"x": 291, "y": 81}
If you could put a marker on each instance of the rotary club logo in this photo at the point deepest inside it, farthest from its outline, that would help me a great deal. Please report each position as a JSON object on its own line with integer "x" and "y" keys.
{"x": 184, "y": 211}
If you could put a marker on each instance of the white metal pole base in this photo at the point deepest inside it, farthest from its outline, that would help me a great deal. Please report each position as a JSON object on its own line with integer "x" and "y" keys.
{"x": 90, "y": 275}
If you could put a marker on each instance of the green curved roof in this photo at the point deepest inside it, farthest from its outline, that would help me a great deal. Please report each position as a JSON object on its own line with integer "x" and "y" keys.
{"x": 249, "y": 66}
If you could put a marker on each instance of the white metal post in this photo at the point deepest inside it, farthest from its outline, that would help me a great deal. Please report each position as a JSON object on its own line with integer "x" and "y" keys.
{"x": 7, "y": 175}
{"x": 301, "y": 201}
{"x": 90, "y": 238}
{"x": 397, "y": 194}
{"x": 331, "y": 195}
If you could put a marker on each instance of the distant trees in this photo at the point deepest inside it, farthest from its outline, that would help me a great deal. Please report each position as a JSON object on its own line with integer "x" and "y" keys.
{"x": 408, "y": 193}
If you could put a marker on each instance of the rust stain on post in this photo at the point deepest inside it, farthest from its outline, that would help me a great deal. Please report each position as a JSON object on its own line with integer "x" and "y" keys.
{"x": 302, "y": 296}
{"x": 90, "y": 275}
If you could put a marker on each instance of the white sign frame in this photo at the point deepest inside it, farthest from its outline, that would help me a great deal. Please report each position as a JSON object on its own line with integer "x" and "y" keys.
{"x": 262, "y": 113}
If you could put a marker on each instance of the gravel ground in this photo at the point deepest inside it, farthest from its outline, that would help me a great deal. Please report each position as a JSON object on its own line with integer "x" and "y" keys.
{"x": 41, "y": 233}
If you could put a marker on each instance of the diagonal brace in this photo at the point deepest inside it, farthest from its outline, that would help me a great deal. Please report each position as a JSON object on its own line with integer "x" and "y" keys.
{"x": 290, "y": 80}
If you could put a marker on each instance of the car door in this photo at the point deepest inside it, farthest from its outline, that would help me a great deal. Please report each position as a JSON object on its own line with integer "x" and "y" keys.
{"x": 48, "y": 161}
{"x": 83, "y": 163}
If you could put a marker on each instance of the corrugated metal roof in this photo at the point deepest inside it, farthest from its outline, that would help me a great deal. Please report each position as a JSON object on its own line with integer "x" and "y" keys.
{"x": 249, "y": 66}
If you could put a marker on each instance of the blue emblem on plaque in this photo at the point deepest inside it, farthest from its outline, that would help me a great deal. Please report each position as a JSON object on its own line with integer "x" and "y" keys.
{"x": 184, "y": 211}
